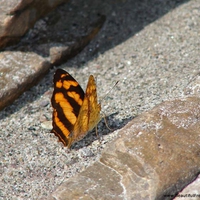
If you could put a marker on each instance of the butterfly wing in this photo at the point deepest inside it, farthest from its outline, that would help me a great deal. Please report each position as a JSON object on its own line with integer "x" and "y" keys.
{"x": 89, "y": 114}
{"x": 67, "y": 99}
{"x": 94, "y": 107}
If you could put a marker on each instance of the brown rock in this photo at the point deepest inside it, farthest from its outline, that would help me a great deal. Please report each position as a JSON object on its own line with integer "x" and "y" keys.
{"x": 18, "y": 72}
{"x": 156, "y": 155}
{"x": 17, "y": 17}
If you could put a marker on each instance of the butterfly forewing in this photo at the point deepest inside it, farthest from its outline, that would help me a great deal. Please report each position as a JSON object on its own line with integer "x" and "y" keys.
{"x": 66, "y": 101}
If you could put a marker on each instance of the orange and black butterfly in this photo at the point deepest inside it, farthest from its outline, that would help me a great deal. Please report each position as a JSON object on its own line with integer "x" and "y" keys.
{"x": 74, "y": 112}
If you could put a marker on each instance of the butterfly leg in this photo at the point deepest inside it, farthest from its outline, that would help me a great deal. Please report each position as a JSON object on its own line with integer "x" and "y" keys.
{"x": 104, "y": 117}
{"x": 70, "y": 142}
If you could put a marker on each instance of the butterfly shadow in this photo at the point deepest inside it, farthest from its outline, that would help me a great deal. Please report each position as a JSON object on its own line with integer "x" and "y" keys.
{"x": 106, "y": 126}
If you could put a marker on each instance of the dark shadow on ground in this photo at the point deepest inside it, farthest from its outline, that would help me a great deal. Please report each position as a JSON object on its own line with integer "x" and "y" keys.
{"x": 102, "y": 131}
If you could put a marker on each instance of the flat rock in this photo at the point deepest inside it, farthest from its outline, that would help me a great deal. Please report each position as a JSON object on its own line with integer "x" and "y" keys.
{"x": 19, "y": 71}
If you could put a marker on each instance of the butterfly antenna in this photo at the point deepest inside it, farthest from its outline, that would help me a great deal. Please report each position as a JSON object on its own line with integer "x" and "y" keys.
{"x": 108, "y": 92}
{"x": 104, "y": 116}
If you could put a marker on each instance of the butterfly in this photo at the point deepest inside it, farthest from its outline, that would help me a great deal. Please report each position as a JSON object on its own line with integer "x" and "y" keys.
{"x": 75, "y": 113}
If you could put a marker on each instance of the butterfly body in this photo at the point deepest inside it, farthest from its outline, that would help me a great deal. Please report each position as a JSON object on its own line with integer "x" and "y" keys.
{"x": 75, "y": 113}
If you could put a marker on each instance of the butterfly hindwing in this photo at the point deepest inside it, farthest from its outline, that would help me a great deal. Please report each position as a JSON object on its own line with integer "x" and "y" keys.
{"x": 89, "y": 114}
{"x": 94, "y": 107}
